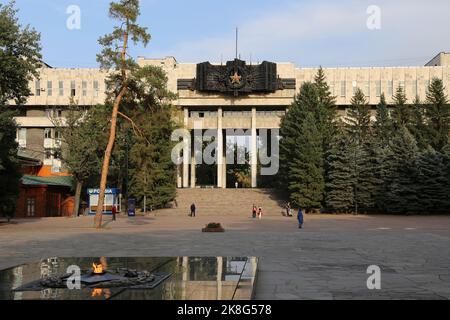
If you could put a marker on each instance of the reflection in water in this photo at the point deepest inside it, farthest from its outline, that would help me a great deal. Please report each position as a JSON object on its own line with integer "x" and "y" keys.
{"x": 192, "y": 278}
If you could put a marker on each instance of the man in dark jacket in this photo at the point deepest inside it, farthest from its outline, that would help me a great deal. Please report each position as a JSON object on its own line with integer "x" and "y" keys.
{"x": 193, "y": 210}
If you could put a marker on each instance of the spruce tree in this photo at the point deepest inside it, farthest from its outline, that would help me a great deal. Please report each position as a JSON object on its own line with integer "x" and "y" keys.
{"x": 437, "y": 110}
{"x": 301, "y": 150}
{"x": 383, "y": 123}
{"x": 326, "y": 109}
{"x": 418, "y": 126}
{"x": 402, "y": 186}
{"x": 432, "y": 181}
{"x": 357, "y": 118}
{"x": 401, "y": 113}
{"x": 306, "y": 176}
{"x": 305, "y": 102}
{"x": 340, "y": 177}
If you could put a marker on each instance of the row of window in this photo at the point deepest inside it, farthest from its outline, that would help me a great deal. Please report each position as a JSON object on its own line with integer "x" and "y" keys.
{"x": 232, "y": 114}
{"x": 61, "y": 89}
{"x": 365, "y": 86}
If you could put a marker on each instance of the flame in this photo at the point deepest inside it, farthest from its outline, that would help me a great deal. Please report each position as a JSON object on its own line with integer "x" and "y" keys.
{"x": 97, "y": 268}
{"x": 97, "y": 292}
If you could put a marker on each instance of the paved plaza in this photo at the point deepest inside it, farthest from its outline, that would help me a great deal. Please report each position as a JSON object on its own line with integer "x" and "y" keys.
{"x": 328, "y": 259}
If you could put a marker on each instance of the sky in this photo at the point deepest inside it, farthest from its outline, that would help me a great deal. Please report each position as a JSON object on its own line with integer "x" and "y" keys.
{"x": 307, "y": 33}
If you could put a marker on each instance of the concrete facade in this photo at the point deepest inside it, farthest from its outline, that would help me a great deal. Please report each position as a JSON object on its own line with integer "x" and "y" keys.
{"x": 57, "y": 87}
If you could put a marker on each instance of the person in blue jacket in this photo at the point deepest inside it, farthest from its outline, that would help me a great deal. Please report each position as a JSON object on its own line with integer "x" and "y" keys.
{"x": 300, "y": 218}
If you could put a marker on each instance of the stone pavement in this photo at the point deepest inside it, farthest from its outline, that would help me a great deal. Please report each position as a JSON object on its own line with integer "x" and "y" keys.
{"x": 327, "y": 259}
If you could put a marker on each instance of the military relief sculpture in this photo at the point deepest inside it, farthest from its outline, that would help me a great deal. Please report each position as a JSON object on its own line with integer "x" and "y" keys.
{"x": 236, "y": 77}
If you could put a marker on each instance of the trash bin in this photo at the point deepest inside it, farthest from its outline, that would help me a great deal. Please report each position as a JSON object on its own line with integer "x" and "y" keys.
{"x": 131, "y": 207}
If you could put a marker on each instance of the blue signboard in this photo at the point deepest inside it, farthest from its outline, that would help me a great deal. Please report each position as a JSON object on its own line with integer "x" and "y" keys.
{"x": 131, "y": 207}
{"x": 111, "y": 200}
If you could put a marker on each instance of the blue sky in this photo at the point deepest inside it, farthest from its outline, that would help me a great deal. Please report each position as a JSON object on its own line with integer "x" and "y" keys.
{"x": 308, "y": 33}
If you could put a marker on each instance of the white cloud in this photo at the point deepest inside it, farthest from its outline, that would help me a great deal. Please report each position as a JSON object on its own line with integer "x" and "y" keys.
{"x": 305, "y": 33}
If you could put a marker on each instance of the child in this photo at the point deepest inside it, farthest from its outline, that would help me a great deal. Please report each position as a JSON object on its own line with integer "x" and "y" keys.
{"x": 260, "y": 213}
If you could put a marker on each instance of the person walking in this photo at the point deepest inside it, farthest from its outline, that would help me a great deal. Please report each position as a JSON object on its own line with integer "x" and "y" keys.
{"x": 254, "y": 210}
{"x": 300, "y": 218}
{"x": 259, "y": 213}
{"x": 193, "y": 210}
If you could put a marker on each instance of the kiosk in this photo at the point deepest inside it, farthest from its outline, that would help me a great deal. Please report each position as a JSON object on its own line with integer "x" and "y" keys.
{"x": 112, "y": 198}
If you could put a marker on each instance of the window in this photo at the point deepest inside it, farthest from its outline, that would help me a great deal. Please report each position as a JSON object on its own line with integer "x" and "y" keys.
{"x": 61, "y": 88}
{"x": 38, "y": 88}
{"x": 31, "y": 207}
{"x": 56, "y": 155}
{"x": 390, "y": 87}
{"x": 378, "y": 88}
{"x": 367, "y": 89}
{"x": 72, "y": 89}
{"x": 49, "y": 88}
{"x": 354, "y": 86}
{"x": 58, "y": 134}
{"x": 22, "y": 137}
{"x": 84, "y": 88}
{"x": 58, "y": 113}
{"x": 343, "y": 89}
{"x": 96, "y": 90}
{"x": 47, "y": 133}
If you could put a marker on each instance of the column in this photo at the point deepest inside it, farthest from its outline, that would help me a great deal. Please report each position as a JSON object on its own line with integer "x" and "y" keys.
{"x": 219, "y": 158}
{"x": 179, "y": 177}
{"x": 219, "y": 277}
{"x": 254, "y": 150}
{"x": 193, "y": 179}
{"x": 224, "y": 164}
{"x": 186, "y": 152}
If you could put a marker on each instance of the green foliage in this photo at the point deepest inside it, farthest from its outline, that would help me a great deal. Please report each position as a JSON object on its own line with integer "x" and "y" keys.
{"x": 358, "y": 118}
{"x": 19, "y": 56}
{"x": 432, "y": 179}
{"x": 153, "y": 173}
{"x": 301, "y": 150}
{"x": 418, "y": 126}
{"x": 383, "y": 125}
{"x": 9, "y": 167}
{"x": 401, "y": 113}
{"x": 402, "y": 185}
{"x": 340, "y": 178}
{"x": 437, "y": 111}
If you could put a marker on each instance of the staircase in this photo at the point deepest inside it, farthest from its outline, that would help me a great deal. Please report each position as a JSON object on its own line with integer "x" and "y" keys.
{"x": 222, "y": 202}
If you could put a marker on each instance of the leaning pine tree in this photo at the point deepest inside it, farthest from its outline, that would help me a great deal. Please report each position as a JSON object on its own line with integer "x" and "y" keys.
{"x": 115, "y": 58}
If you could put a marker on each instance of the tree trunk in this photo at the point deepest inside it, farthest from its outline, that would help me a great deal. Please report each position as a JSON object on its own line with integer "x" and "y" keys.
{"x": 76, "y": 207}
{"x": 112, "y": 135}
{"x": 107, "y": 158}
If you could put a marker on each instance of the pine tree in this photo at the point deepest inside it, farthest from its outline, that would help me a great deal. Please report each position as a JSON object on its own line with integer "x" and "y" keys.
{"x": 446, "y": 186}
{"x": 402, "y": 191}
{"x": 306, "y": 176}
{"x": 401, "y": 113}
{"x": 432, "y": 179}
{"x": 340, "y": 178}
{"x": 326, "y": 110}
{"x": 417, "y": 126}
{"x": 300, "y": 137}
{"x": 437, "y": 111}
{"x": 358, "y": 118}
{"x": 115, "y": 58}
{"x": 383, "y": 125}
